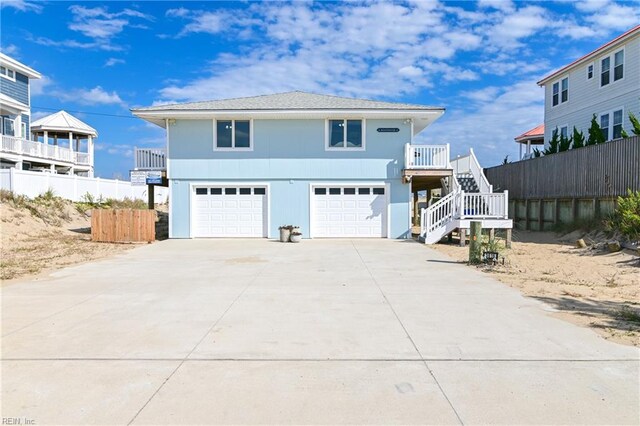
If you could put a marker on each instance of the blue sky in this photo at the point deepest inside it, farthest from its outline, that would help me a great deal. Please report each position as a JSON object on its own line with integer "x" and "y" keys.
{"x": 481, "y": 60}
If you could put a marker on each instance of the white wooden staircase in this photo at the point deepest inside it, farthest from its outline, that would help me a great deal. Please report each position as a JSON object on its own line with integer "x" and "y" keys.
{"x": 468, "y": 196}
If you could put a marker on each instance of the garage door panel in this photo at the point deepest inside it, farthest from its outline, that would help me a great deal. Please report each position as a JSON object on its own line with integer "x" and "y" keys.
{"x": 230, "y": 212}
{"x": 349, "y": 212}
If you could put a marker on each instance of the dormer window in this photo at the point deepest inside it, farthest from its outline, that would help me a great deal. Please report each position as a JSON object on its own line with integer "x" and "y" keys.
{"x": 7, "y": 73}
{"x": 345, "y": 134}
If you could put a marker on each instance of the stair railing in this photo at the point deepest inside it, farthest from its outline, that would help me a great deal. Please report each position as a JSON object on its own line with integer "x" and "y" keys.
{"x": 439, "y": 213}
{"x": 478, "y": 174}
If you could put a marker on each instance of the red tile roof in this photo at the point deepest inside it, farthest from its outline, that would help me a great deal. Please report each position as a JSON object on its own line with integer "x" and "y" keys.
{"x": 628, "y": 34}
{"x": 535, "y": 133}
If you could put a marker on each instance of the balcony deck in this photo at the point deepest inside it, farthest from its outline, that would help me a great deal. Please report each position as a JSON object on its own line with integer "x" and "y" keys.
{"x": 150, "y": 158}
{"x": 41, "y": 151}
{"x": 425, "y": 165}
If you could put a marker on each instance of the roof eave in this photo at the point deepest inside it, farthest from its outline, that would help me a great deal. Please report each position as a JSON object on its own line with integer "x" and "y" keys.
{"x": 19, "y": 66}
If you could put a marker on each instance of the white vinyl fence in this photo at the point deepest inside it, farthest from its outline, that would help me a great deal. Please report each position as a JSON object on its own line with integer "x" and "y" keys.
{"x": 32, "y": 184}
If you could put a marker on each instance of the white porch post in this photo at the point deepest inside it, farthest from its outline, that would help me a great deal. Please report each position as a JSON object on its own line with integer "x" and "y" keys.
{"x": 90, "y": 151}
{"x": 45, "y": 138}
{"x": 528, "y": 147}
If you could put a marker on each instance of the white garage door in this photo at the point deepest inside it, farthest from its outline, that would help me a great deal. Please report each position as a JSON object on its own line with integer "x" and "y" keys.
{"x": 230, "y": 211}
{"x": 358, "y": 212}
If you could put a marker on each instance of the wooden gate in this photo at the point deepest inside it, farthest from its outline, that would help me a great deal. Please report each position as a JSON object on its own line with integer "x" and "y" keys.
{"x": 123, "y": 225}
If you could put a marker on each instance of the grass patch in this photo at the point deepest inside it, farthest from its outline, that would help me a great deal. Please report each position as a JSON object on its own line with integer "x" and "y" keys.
{"x": 629, "y": 315}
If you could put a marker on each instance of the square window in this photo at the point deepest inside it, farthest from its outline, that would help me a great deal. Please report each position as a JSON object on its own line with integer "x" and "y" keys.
{"x": 345, "y": 134}
{"x": 334, "y": 191}
{"x": 349, "y": 191}
{"x": 364, "y": 191}
{"x": 230, "y": 191}
{"x": 216, "y": 191}
{"x": 320, "y": 191}
{"x": 245, "y": 191}
{"x": 378, "y": 191}
{"x": 223, "y": 134}
{"x": 201, "y": 191}
{"x": 259, "y": 191}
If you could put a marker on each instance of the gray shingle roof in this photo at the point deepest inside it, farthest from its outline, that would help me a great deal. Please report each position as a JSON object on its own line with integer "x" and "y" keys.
{"x": 288, "y": 101}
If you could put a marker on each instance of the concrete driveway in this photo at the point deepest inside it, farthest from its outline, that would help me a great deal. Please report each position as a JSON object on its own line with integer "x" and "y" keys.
{"x": 326, "y": 331}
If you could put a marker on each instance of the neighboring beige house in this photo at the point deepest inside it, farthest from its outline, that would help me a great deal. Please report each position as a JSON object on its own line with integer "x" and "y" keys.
{"x": 605, "y": 82}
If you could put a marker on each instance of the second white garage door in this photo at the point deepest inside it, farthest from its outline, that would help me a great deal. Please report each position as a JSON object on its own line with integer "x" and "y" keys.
{"x": 347, "y": 211}
{"x": 230, "y": 211}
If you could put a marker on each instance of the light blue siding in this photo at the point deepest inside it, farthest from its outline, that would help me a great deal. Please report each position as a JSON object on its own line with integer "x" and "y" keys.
{"x": 18, "y": 90}
{"x": 289, "y": 155}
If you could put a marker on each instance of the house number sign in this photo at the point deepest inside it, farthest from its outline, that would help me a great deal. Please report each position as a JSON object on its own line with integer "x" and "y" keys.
{"x": 388, "y": 129}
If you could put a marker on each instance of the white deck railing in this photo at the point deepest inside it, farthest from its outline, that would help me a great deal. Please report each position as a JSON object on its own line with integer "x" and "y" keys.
{"x": 150, "y": 158}
{"x": 460, "y": 205}
{"x": 36, "y": 149}
{"x": 426, "y": 156}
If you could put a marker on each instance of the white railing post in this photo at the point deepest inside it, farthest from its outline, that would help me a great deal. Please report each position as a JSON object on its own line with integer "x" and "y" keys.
{"x": 461, "y": 205}
{"x": 506, "y": 204}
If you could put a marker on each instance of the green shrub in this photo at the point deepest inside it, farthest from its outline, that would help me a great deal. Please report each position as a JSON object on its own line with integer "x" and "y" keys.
{"x": 554, "y": 144}
{"x": 595, "y": 133}
{"x": 578, "y": 138}
{"x": 635, "y": 123}
{"x": 626, "y": 218}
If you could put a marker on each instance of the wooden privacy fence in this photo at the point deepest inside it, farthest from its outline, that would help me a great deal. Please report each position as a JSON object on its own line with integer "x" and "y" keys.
{"x": 123, "y": 225}
{"x": 599, "y": 171}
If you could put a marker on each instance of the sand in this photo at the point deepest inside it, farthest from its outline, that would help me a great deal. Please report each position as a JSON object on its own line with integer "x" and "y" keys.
{"x": 31, "y": 247}
{"x": 590, "y": 287}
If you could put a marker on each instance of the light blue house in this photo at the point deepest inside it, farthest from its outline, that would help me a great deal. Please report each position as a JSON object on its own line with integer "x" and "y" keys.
{"x": 336, "y": 167}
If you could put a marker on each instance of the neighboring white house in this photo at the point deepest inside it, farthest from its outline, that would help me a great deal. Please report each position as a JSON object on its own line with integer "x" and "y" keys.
{"x": 71, "y": 138}
{"x": 605, "y": 82}
{"x": 55, "y": 151}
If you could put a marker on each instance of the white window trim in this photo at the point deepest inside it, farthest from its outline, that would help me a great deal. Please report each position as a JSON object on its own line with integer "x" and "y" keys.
{"x": 4, "y": 128}
{"x": 612, "y": 66}
{"x": 233, "y": 136}
{"x": 6, "y": 76}
{"x": 611, "y": 123}
{"x": 593, "y": 71}
{"x": 559, "y": 83}
{"x": 327, "y": 147}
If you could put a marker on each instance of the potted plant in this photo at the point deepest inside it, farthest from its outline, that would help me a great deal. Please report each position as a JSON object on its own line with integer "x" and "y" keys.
{"x": 285, "y": 233}
{"x": 296, "y": 236}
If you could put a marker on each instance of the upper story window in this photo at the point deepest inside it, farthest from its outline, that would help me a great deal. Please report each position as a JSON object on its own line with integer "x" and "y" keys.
{"x": 345, "y": 134}
{"x": 7, "y": 73}
{"x": 233, "y": 135}
{"x": 589, "y": 71}
{"x": 560, "y": 91}
{"x": 8, "y": 126}
{"x": 618, "y": 68}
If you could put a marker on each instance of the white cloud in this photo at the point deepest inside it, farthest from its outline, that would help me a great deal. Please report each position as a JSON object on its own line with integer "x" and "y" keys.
{"x": 95, "y": 96}
{"x": 410, "y": 71}
{"x": 39, "y": 86}
{"x": 521, "y": 24}
{"x": 113, "y": 61}
{"x": 21, "y": 5}
{"x": 489, "y": 128}
{"x": 99, "y": 25}
{"x": 11, "y": 50}
{"x": 503, "y": 5}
